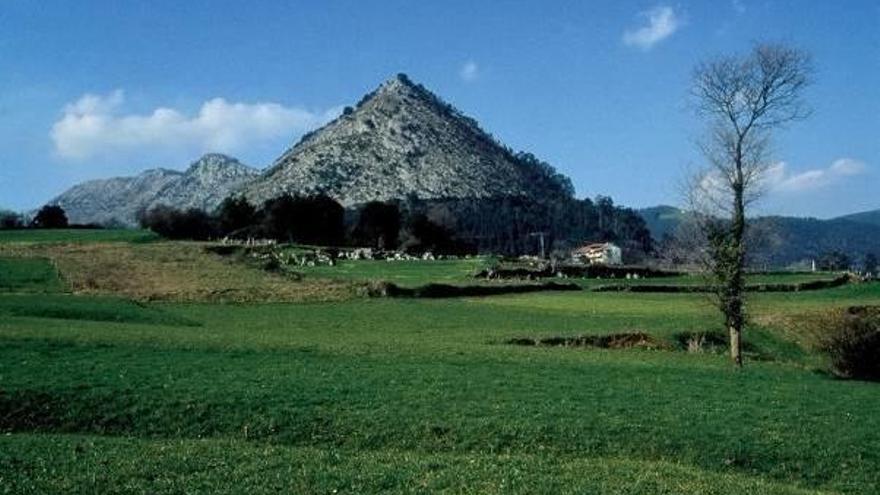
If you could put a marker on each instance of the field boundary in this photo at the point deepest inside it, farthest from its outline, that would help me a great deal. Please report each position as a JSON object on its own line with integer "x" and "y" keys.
{"x": 437, "y": 291}
{"x": 664, "y": 288}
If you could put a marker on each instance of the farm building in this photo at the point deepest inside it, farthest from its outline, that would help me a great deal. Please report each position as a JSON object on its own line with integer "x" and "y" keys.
{"x": 603, "y": 253}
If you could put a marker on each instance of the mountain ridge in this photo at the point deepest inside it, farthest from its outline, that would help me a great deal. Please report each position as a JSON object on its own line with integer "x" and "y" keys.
{"x": 786, "y": 240}
{"x": 117, "y": 200}
{"x": 870, "y": 217}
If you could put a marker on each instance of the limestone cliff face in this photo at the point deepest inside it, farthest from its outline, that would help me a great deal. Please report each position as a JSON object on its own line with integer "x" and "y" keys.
{"x": 116, "y": 201}
{"x": 402, "y": 141}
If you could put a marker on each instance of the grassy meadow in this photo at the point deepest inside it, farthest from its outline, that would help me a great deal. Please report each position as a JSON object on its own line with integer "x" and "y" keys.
{"x": 67, "y": 236}
{"x": 157, "y": 384}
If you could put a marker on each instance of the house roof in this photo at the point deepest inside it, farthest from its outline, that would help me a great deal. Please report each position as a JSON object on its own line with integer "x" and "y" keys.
{"x": 594, "y": 248}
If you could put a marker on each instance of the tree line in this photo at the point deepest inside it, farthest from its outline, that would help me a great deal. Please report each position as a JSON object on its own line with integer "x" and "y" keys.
{"x": 48, "y": 217}
{"x": 508, "y": 225}
{"x": 504, "y": 225}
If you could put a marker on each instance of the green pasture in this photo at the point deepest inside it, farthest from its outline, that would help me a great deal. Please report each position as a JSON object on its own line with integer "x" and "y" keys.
{"x": 100, "y": 394}
{"x": 75, "y": 235}
{"x": 409, "y": 273}
{"x": 28, "y": 275}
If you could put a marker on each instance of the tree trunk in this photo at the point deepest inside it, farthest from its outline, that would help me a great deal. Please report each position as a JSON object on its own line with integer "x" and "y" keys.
{"x": 736, "y": 283}
{"x": 736, "y": 346}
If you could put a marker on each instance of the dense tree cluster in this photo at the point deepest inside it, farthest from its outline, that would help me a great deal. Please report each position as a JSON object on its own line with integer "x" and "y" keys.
{"x": 306, "y": 220}
{"x": 834, "y": 261}
{"x": 513, "y": 225}
{"x": 50, "y": 217}
{"x": 10, "y": 220}
{"x": 171, "y": 223}
{"x": 378, "y": 225}
{"x": 509, "y": 225}
{"x": 870, "y": 264}
{"x": 47, "y": 217}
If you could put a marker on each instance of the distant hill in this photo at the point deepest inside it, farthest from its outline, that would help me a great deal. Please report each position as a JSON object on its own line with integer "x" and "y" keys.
{"x": 788, "y": 240}
{"x": 871, "y": 217}
{"x": 203, "y": 185}
{"x": 796, "y": 239}
{"x": 661, "y": 220}
{"x": 402, "y": 141}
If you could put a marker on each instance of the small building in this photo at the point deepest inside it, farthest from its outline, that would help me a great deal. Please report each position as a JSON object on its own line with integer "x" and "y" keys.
{"x": 602, "y": 253}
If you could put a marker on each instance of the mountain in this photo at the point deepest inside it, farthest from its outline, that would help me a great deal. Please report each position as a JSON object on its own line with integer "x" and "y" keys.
{"x": 402, "y": 141}
{"x": 788, "y": 240}
{"x": 203, "y": 185}
{"x": 871, "y": 217}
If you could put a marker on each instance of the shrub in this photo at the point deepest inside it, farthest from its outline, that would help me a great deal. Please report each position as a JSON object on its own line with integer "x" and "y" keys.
{"x": 853, "y": 344}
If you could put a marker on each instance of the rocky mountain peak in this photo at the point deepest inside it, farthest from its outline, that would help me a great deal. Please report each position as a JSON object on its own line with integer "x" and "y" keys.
{"x": 400, "y": 141}
{"x": 399, "y": 85}
{"x": 214, "y": 163}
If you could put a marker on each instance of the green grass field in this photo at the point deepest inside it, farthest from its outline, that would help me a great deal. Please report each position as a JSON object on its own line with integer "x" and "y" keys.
{"x": 461, "y": 272}
{"x": 28, "y": 275}
{"x": 696, "y": 279}
{"x": 76, "y": 235}
{"x": 402, "y": 273}
{"x": 99, "y": 394}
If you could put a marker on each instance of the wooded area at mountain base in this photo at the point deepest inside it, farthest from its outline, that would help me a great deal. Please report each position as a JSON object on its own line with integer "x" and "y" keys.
{"x": 508, "y": 226}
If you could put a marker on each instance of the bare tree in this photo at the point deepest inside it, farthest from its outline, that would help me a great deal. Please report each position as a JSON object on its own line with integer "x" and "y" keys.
{"x": 743, "y": 100}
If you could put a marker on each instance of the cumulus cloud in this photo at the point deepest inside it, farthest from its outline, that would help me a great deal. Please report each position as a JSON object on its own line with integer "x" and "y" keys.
{"x": 661, "y": 22}
{"x": 469, "y": 71}
{"x": 96, "y": 125}
{"x": 779, "y": 178}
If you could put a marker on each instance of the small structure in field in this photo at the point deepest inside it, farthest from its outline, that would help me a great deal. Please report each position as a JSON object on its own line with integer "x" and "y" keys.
{"x": 602, "y": 253}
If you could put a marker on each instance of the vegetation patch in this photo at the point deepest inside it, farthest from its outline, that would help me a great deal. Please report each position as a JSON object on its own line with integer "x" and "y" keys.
{"x": 107, "y": 309}
{"x": 572, "y": 271}
{"x": 88, "y": 464}
{"x": 28, "y": 275}
{"x": 625, "y": 340}
{"x": 416, "y": 377}
{"x": 65, "y": 236}
{"x": 173, "y": 271}
{"x": 714, "y": 341}
{"x": 852, "y": 343}
{"x": 446, "y": 290}
{"x": 705, "y": 288}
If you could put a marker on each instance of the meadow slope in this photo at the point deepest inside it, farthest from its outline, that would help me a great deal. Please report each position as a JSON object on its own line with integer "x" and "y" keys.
{"x": 105, "y": 393}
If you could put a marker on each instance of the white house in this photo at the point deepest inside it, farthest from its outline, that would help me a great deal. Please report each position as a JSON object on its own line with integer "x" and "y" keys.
{"x": 604, "y": 253}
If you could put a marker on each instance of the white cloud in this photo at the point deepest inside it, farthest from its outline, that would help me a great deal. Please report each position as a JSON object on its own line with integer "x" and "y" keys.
{"x": 848, "y": 166}
{"x": 469, "y": 71}
{"x": 662, "y": 22}
{"x": 95, "y": 125}
{"x": 778, "y": 177}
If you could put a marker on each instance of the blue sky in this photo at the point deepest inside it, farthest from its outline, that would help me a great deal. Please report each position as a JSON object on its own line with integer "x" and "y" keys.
{"x": 94, "y": 89}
